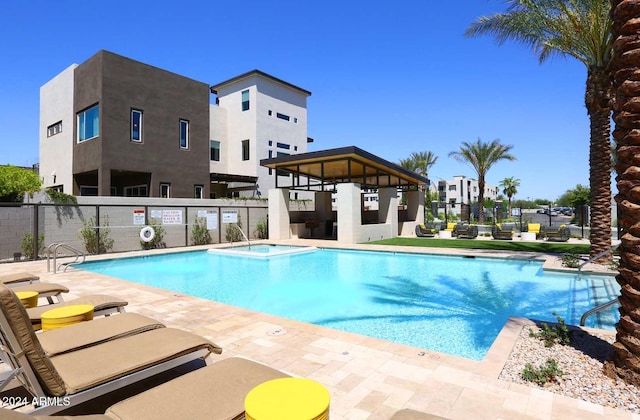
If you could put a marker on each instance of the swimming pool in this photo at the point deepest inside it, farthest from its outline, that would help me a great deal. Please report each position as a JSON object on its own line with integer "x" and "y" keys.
{"x": 262, "y": 250}
{"x": 453, "y": 305}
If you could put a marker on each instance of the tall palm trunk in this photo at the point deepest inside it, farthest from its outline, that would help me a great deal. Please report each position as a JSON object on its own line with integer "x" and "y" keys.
{"x": 481, "y": 200}
{"x": 597, "y": 101}
{"x": 626, "y": 113}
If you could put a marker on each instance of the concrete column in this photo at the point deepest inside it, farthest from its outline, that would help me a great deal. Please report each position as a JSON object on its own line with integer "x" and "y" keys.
{"x": 279, "y": 218}
{"x": 349, "y": 217}
{"x": 415, "y": 206}
{"x": 323, "y": 212}
{"x": 388, "y": 208}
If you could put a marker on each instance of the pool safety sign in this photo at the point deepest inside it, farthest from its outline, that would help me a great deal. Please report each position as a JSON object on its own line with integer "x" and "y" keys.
{"x": 138, "y": 217}
{"x": 229, "y": 216}
{"x": 171, "y": 217}
{"x": 211, "y": 216}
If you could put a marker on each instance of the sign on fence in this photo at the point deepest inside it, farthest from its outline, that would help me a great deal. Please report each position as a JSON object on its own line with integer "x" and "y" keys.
{"x": 229, "y": 216}
{"x": 171, "y": 217}
{"x": 138, "y": 217}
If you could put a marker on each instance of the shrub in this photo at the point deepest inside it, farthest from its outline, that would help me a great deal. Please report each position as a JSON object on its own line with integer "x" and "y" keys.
{"x": 27, "y": 245}
{"x": 158, "y": 239}
{"x": 199, "y": 233}
{"x": 547, "y": 372}
{"x": 551, "y": 335}
{"x": 90, "y": 238}
{"x": 233, "y": 231}
{"x": 262, "y": 231}
{"x": 570, "y": 260}
{"x": 15, "y": 182}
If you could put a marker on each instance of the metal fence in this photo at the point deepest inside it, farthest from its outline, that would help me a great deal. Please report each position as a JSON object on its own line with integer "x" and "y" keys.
{"x": 25, "y": 227}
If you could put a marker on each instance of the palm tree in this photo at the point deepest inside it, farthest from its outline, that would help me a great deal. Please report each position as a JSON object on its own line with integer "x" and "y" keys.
{"x": 510, "y": 188}
{"x": 625, "y": 362}
{"x": 580, "y": 29}
{"x": 421, "y": 162}
{"x": 481, "y": 157}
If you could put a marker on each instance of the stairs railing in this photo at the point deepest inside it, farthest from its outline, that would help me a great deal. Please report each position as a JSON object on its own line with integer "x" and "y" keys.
{"x": 53, "y": 249}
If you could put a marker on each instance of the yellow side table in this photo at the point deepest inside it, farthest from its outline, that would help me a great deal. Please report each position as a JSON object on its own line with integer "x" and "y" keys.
{"x": 65, "y": 316}
{"x": 28, "y": 299}
{"x": 287, "y": 399}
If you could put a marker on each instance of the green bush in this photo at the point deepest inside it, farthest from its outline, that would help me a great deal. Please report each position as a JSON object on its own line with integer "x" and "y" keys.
{"x": 199, "y": 233}
{"x": 570, "y": 260}
{"x": 90, "y": 238}
{"x": 547, "y": 372}
{"x": 551, "y": 335}
{"x": 27, "y": 245}
{"x": 158, "y": 239}
{"x": 15, "y": 182}
{"x": 261, "y": 229}
{"x": 232, "y": 231}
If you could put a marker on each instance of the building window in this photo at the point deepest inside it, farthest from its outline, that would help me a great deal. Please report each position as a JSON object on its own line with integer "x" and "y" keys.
{"x": 89, "y": 123}
{"x": 281, "y": 172}
{"x": 88, "y": 190}
{"x": 136, "y": 191}
{"x": 270, "y": 112}
{"x": 282, "y": 116}
{"x": 283, "y": 145}
{"x": 245, "y": 149}
{"x": 245, "y": 100}
{"x": 184, "y": 134}
{"x": 54, "y": 129}
{"x": 270, "y": 143}
{"x": 165, "y": 190}
{"x": 295, "y": 148}
{"x": 136, "y": 125}
{"x": 214, "y": 147}
{"x": 295, "y": 121}
{"x": 198, "y": 191}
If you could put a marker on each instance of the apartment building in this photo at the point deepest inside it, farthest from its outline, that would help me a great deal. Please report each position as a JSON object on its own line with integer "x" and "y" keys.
{"x": 113, "y": 126}
{"x": 462, "y": 190}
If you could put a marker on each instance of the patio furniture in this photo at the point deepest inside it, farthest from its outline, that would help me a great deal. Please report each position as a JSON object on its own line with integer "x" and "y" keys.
{"x": 534, "y": 228}
{"x": 466, "y": 231}
{"x": 66, "y": 316}
{"x": 87, "y": 373}
{"x": 213, "y": 392}
{"x": 103, "y": 305}
{"x": 288, "y": 398}
{"x": 425, "y": 230}
{"x": 561, "y": 235}
{"x": 498, "y": 233}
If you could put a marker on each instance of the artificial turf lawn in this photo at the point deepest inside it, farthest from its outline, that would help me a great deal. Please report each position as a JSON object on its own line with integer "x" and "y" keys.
{"x": 543, "y": 247}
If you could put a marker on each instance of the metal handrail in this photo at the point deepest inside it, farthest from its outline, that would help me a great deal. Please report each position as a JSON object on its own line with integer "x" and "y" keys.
{"x": 590, "y": 312}
{"x": 57, "y": 246}
{"x": 595, "y": 257}
{"x": 245, "y": 236}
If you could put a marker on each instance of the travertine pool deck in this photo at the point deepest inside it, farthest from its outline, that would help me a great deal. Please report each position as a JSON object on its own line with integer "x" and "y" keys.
{"x": 368, "y": 378}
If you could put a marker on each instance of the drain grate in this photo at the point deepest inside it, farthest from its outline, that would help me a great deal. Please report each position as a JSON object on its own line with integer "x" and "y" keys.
{"x": 277, "y": 331}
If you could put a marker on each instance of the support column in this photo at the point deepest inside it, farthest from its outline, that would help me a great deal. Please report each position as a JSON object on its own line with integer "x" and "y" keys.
{"x": 349, "y": 217}
{"x": 279, "y": 218}
{"x": 415, "y": 206}
{"x": 388, "y": 208}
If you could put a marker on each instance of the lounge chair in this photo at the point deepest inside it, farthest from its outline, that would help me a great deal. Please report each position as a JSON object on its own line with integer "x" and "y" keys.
{"x": 84, "y": 374}
{"x": 18, "y": 277}
{"x": 97, "y": 331}
{"x": 466, "y": 231}
{"x": 407, "y": 414}
{"x": 102, "y": 304}
{"x": 534, "y": 228}
{"x": 45, "y": 290}
{"x": 451, "y": 227}
{"x": 425, "y": 231}
{"x": 498, "y": 233}
{"x": 561, "y": 235}
{"x": 213, "y": 392}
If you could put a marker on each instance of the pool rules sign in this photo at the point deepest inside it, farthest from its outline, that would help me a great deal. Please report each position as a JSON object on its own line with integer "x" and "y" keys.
{"x": 138, "y": 217}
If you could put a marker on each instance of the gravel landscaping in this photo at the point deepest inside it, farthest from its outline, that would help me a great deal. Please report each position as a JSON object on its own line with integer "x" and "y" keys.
{"x": 581, "y": 363}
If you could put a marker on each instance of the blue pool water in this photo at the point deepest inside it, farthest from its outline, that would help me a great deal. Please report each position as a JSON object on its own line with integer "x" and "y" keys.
{"x": 453, "y": 305}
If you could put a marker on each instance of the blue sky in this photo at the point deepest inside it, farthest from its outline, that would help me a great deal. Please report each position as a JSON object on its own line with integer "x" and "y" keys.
{"x": 391, "y": 79}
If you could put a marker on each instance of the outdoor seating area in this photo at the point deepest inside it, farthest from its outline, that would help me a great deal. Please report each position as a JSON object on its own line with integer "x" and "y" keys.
{"x": 466, "y": 231}
{"x": 498, "y": 233}
{"x": 427, "y": 230}
{"x": 561, "y": 235}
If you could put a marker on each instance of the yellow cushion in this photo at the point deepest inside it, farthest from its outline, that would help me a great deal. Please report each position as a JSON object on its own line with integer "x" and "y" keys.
{"x": 288, "y": 398}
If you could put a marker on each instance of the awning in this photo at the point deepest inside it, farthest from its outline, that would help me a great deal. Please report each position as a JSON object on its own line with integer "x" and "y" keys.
{"x": 323, "y": 169}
